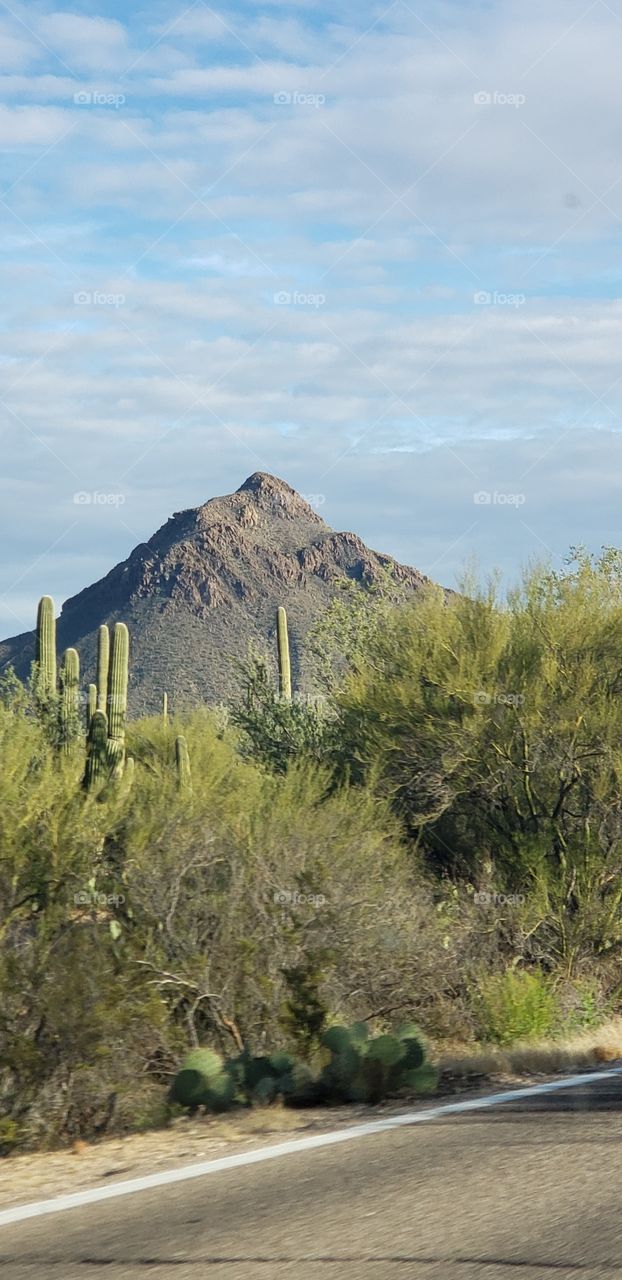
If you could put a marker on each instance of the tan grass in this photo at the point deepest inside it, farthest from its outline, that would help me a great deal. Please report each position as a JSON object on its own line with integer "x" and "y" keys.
{"x": 539, "y": 1057}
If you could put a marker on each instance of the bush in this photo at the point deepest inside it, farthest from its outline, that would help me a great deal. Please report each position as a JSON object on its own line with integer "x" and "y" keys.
{"x": 496, "y": 730}
{"x": 135, "y": 926}
{"x": 515, "y": 1006}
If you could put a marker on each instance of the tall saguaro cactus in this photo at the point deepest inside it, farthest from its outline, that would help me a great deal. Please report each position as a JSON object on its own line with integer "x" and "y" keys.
{"x": 182, "y": 760}
{"x": 69, "y": 698}
{"x": 117, "y": 681}
{"x": 103, "y": 661}
{"x": 46, "y": 651}
{"x": 285, "y": 673}
{"x": 97, "y": 766}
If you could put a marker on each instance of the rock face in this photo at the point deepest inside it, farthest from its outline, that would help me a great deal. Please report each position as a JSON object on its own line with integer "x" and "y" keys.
{"x": 207, "y": 585}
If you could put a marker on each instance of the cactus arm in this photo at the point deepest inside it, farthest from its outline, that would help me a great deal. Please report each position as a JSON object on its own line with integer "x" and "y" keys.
{"x": 91, "y": 705}
{"x": 103, "y": 661}
{"x": 117, "y": 681}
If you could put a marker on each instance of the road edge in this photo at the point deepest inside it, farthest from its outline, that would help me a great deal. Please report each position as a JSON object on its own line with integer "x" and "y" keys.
{"x": 204, "y": 1168}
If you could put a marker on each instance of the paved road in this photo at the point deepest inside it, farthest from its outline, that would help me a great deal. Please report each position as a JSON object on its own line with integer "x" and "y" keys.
{"x": 529, "y": 1190}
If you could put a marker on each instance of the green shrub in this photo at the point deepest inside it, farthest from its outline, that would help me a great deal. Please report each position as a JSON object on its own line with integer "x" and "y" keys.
{"x": 516, "y": 1005}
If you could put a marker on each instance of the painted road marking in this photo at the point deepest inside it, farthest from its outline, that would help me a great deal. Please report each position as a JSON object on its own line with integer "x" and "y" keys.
{"x": 59, "y": 1204}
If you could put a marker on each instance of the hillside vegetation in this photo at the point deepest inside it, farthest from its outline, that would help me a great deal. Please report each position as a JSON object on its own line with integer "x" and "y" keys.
{"x": 436, "y": 839}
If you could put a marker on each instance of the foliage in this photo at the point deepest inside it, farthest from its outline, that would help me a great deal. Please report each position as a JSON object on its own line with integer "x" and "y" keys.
{"x": 440, "y": 839}
{"x": 304, "y": 1012}
{"x": 497, "y": 733}
{"x": 516, "y": 1005}
{"x": 135, "y": 926}
{"x": 341, "y": 638}
{"x": 277, "y": 730}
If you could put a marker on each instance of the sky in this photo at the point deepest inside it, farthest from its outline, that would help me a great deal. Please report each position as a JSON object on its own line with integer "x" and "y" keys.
{"x": 373, "y": 249}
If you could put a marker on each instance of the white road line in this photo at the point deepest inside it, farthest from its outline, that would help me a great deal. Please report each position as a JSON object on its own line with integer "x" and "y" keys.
{"x": 60, "y": 1203}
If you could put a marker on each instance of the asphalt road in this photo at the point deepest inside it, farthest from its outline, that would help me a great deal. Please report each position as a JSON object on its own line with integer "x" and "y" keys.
{"x": 527, "y": 1190}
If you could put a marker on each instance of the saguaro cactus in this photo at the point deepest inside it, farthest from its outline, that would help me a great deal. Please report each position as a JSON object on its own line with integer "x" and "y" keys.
{"x": 182, "y": 760}
{"x": 46, "y": 651}
{"x": 165, "y": 707}
{"x": 117, "y": 681}
{"x": 91, "y": 705}
{"x": 97, "y": 763}
{"x": 285, "y": 674}
{"x": 117, "y": 697}
{"x": 69, "y": 698}
{"x": 128, "y": 775}
{"x": 103, "y": 660}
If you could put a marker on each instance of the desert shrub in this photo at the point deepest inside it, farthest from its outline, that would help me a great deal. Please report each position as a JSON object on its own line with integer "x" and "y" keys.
{"x": 260, "y": 876}
{"x": 516, "y": 1005}
{"x": 496, "y": 730}
{"x": 304, "y": 1013}
{"x": 139, "y": 925}
{"x": 276, "y": 731}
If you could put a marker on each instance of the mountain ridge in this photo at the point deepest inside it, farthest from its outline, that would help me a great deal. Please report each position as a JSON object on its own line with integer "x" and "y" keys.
{"x": 206, "y": 585}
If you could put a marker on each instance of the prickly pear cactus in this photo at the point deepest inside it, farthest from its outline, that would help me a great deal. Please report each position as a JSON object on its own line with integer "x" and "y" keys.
{"x": 337, "y": 1039}
{"x": 385, "y": 1049}
{"x": 203, "y": 1081}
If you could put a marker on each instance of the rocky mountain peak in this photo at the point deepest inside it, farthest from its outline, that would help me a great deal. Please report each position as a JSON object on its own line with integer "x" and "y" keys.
{"x": 207, "y": 585}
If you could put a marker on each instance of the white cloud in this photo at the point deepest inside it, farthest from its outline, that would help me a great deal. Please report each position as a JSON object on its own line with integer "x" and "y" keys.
{"x": 26, "y": 126}
{"x": 400, "y": 392}
{"x": 86, "y": 43}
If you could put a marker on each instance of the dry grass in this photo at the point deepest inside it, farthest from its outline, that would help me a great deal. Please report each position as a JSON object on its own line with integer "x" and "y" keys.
{"x": 584, "y": 1049}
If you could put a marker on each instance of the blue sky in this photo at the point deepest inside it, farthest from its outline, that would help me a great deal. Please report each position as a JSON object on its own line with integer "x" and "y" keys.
{"x": 374, "y": 250}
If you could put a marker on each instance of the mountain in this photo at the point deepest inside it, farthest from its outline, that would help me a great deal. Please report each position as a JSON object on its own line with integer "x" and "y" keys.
{"x": 207, "y": 585}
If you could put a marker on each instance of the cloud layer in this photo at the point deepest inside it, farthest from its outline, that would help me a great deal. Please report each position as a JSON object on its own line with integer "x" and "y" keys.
{"x": 376, "y": 255}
